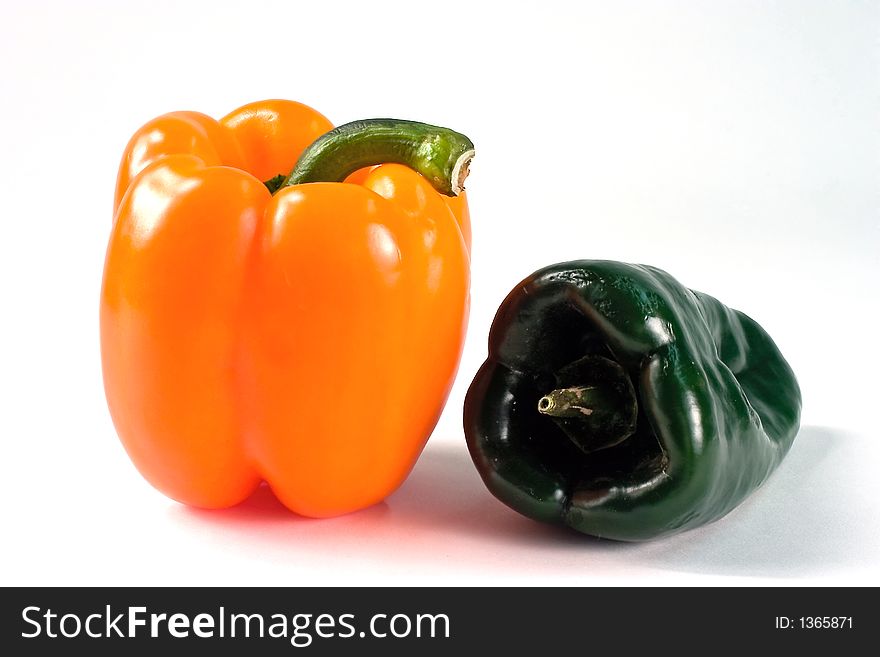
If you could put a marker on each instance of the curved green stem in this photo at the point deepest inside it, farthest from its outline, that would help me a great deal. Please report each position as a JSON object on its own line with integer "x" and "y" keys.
{"x": 439, "y": 154}
{"x": 274, "y": 184}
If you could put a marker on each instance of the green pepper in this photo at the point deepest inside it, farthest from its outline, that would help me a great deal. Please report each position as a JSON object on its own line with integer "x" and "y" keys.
{"x": 624, "y": 405}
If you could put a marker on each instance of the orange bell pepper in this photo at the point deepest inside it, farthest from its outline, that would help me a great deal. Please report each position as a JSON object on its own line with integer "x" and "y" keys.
{"x": 308, "y": 338}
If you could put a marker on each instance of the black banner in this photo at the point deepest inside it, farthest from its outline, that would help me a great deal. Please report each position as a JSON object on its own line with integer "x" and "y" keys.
{"x": 429, "y": 621}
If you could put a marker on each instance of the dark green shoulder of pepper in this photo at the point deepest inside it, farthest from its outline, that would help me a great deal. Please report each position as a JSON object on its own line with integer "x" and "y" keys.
{"x": 622, "y": 404}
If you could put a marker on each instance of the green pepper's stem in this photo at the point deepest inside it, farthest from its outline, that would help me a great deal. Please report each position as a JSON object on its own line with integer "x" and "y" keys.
{"x": 439, "y": 154}
{"x": 570, "y": 402}
{"x": 599, "y": 410}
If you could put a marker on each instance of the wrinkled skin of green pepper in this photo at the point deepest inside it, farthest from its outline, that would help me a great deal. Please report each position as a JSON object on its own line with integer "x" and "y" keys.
{"x": 717, "y": 406}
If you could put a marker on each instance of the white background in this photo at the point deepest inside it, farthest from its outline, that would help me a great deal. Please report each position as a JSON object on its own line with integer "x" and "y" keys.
{"x": 734, "y": 144}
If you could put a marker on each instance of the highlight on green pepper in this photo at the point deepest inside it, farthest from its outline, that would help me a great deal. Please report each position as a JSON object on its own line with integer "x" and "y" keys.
{"x": 622, "y": 404}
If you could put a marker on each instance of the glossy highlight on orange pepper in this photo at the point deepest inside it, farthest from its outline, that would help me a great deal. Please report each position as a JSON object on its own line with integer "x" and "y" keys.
{"x": 307, "y": 339}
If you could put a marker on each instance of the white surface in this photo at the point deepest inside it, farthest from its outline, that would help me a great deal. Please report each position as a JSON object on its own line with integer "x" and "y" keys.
{"x": 733, "y": 144}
